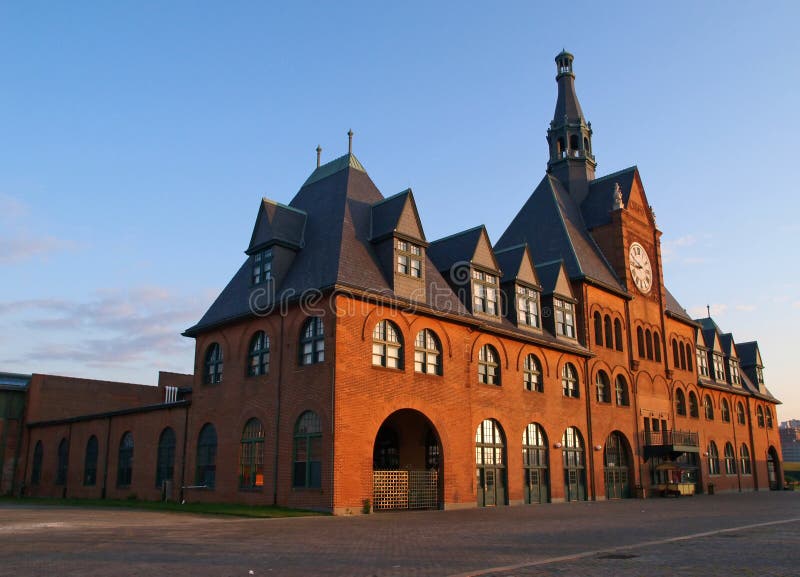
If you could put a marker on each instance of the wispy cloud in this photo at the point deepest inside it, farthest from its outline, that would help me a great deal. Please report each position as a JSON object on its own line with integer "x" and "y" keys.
{"x": 17, "y": 242}
{"x": 112, "y": 328}
{"x": 12, "y": 208}
{"x": 745, "y": 308}
{"x": 673, "y": 250}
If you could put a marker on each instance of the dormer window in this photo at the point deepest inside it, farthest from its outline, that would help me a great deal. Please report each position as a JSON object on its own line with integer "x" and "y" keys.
{"x": 565, "y": 318}
{"x": 484, "y": 293}
{"x": 760, "y": 375}
{"x": 262, "y": 266}
{"x": 719, "y": 368}
{"x": 527, "y": 307}
{"x": 409, "y": 258}
{"x": 734, "y": 367}
{"x": 702, "y": 363}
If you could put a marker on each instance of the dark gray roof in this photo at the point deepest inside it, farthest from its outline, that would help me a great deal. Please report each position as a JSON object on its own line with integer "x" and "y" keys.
{"x": 747, "y": 353}
{"x": 459, "y": 247}
{"x": 675, "y": 308}
{"x": 14, "y": 381}
{"x": 567, "y": 104}
{"x": 386, "y": 214}
{"x": 510, "y": 260}
{"x": 727, "y": 343}
{"x": 337, "y": 250}
{"x": 548, "y": 275}
{"x": 278, "y": 223}
{"x": 596, "y": 207}
{"x": 552, "y": 226}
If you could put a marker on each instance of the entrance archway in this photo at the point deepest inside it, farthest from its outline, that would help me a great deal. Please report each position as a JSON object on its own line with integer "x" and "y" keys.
{"x": 534, "y": 463}
{"x": 406, "y": 463}
{"x": 573, "y": 454}
{"x": 616, "y": 463}
{"x": 773, "y": 470}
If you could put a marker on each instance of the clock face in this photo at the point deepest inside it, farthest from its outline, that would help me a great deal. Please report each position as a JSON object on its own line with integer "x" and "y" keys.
{"x": 641, "y": 271}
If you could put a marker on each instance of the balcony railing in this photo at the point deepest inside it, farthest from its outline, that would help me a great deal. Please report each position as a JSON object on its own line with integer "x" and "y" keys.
{"x": 670, "y": 438}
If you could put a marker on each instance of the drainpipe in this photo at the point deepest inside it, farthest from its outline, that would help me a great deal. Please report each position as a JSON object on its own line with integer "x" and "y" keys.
{"x": 105, "y": 464}
{"x": 588, "y": 398}
{"x": 183, "y": 453}
{"x": 282, "y": 344}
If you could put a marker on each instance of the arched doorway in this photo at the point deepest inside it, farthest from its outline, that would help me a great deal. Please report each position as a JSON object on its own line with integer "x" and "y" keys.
{"x": 490, "y": 464}
{"x": 616, "y": 462}
{"x": 534, "y": 462}
{"x": 773, "y": 470}
{"x": 406, "y": 463}
{"x": 573, "y": 454}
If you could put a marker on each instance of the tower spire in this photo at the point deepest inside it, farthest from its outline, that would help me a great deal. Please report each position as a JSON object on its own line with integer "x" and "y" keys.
{"x": 570, "y": 136}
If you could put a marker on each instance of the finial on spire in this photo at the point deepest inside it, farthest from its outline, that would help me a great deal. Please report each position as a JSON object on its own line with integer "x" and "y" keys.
{"x": 319, "y": 154}
{"x": 708, "y": 308}
{"x": 350, "y": 141}
{"x": 618, "y": 204}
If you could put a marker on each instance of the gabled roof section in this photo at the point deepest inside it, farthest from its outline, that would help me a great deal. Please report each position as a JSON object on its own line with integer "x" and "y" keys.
{"x": 553, "y": 276}
{"x": 470, "y": 246}
{"x": 728, "y": 347}
{"x": 711, "y": 334}
{"x": 749, "y": 355}
{"x": 552, "y": 226}
{"x": 396, "y": 214}
{"x": 278, "y": 224}
{"x": 334, "y": 166}
{"x": 517, "y": 265}
{"x": 596, "y": 207}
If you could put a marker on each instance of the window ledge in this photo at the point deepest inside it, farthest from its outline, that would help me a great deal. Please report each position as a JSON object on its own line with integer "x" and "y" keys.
{"x": 389, "y": 369}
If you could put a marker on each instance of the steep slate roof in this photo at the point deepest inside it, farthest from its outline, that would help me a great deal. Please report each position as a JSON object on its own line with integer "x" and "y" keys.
{"x": 747, "y": 353}
{"x": 596, "y": 207}
{"x": 386, "y": 215}
{"x": 548, "y": 275}
{"x": 552, "y": 225}
{"x": 511, "y": 261}
{"x": 459, "y": 247}
{"x": 278, "y": 223}
{"x": 337, "y": 201}
{"x": 675, "y": 308}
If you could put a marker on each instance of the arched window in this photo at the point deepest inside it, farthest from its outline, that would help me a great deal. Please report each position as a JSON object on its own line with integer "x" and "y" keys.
{"x": 621, "y": 391}
{"x": 561, "y": 147}
{"x": 213, "y": 365}
{"x": 259, "y": 355}
{"x": 312, "y": 341}
{"x": 603, "y": 387}
{"x": 251, "y": 455}
{"x": 769, "y": 418}
{"x": 657, "y": 346}
{"x": 165, "y": 457}
{"x": 598, "y": 329}
{"x": 585, "y": 144}
{"x": 683, "y": 357}
{"x": 648, "y": 342}
{"x": 125, "y": 460}
{"x": 640, "y": 341}
{"x": 618, "y": 334}
{"x": 490, "y": 463}
{"x": 569, "y": 381}
{"x": 90, "y": 462}
{"x": 740, "y": 416}
{"x": 206, "y": 466}
{"x": 676, "y": 362}
{"x": 744, "y": 457}
{"x": 713, "y": 459}
{"x": 708, "y": 408}
{"x": 427, "y": 353}
{"x": 694, "y": 410}
{"x": 307, "y": 471}
{"x": 725, "y": 411}
{"x": 36, "y": 470}
{"x": 535, "y": 463}
{"x": 63, "y": 462}
{"x": 609, "y": 331}
{"x": 760, "y": 417}
{"x": 680, "y": 402}
{"x": 572, "y": 453}
{"x": 730, "y": 460}
{"x": 488, "y": 366}
{"x": 688, "y": 358}
{"x": 533, "y": 374}
{"x": 387, "y": 345}
{"x": 573, "y": 142}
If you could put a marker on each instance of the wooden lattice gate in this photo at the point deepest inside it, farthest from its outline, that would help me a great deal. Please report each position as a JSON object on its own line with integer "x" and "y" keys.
{"x": 405, "y": 490}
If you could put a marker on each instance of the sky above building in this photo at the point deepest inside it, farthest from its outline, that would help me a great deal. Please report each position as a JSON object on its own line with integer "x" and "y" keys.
{"x": 139, "y": 137}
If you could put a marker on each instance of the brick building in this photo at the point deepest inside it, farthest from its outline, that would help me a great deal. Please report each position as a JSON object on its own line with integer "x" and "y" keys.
{"x": 351, "y": 362}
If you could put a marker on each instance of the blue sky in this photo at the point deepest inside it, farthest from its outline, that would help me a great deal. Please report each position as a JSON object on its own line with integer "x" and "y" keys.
{"x": 138, "y": 138}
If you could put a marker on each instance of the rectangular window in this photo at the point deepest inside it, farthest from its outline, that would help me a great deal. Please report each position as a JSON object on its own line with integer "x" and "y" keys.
{"x": 527, "y": 307}
{"x": 409, "y": 258}
{"x": 702, "y": 363}
{"x": 735, "y": 378}
{"x": 565, "y": 318}
{"x": 719, "y": 368}
{"x": 262, "y": 266}
{"x": 484, "y": 293}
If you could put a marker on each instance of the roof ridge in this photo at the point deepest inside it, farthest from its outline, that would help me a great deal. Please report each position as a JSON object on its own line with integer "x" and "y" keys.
{"x": 455, "y": 234}
{"x": 388, "y": 198}
{"x": 334, "y": 166}
{"x": 607, "y": 176}
{"x": 516, "y": 246}
{"x": 280, "y": 204}
{"x": 550, "y": 179}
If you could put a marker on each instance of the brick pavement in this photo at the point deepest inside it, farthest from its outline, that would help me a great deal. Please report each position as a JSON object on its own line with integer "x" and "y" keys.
{"x": 602, "y": 538}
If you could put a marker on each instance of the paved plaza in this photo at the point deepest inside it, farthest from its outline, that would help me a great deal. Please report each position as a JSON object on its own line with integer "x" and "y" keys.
{"x": 731, "y": 535}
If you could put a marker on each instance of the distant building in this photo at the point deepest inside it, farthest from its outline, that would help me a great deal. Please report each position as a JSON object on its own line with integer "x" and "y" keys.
{"x": 790, "y": 440}
{"x": 352, "y": 363}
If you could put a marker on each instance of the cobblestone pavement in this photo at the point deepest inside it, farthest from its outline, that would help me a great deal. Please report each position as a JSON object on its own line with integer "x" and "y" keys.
{"x": 731, "y": 535}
